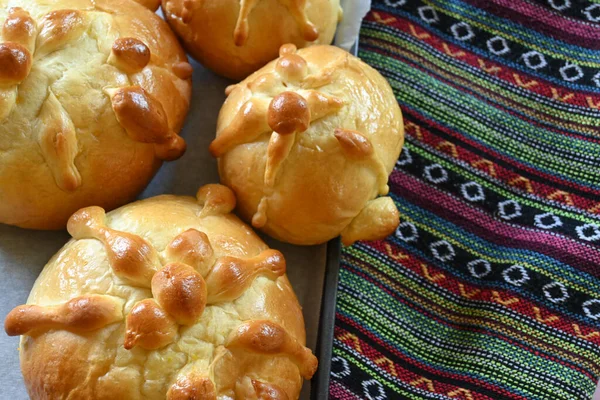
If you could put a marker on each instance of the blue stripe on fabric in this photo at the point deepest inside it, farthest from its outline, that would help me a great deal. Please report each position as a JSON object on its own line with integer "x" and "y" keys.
{"x": 505, "y": 61}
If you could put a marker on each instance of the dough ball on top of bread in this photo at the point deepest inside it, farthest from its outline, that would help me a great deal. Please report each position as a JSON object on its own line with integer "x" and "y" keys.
{"x": 307, "y": 144}
{"x": 93, "y": 94}
{"x": 166, "y": 298}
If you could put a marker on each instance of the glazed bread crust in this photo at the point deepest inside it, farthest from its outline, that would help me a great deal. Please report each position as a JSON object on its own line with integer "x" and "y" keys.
{"x": 235, "y": 38}
{"x": 307, "y": 144}
{"x": 84, "y": 116}
{"x": 169, "y": 297}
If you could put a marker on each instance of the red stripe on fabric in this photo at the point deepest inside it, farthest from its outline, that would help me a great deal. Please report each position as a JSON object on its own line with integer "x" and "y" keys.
{"x": 403, "y": 374}
{"x": 472, "y": 327}
{"x": 485, "y": 294}
{"x": 337, "y": 391}
{"x": 458, "y": 137}
{"x": 552, "y": 122}
{"x": 483, "y": 225}
{"x": 542, "y": 19}
{"x": 504, "y": 72}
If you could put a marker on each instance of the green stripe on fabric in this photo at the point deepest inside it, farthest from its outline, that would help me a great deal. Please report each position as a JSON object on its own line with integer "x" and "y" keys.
{"x": 455, "y": 360}
{"x": 488, "y": 86}
{"x": 469, "y": 176}
{"x": 424, "y": 290}
{"x": 463, "y": 120}
{"x": 494, "y": 26}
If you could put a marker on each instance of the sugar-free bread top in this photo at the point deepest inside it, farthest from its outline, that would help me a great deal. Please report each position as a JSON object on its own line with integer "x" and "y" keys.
{"x": 307, "y": 143}
{"x": 92, "y": 96}
{"x": 236, "y": 37}
{"x": 169, "y": 297}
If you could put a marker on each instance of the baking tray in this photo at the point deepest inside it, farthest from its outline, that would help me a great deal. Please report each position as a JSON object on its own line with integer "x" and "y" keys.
{"x": 319, "y": 385}
{"x": 312, "y": 270}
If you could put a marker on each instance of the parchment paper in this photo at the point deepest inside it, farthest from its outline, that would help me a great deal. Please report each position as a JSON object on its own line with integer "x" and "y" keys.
{"x": 23, "y": 253}
{"x": 347, "y": 30}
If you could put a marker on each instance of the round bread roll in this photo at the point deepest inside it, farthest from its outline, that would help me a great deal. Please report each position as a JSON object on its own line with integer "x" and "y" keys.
{"x": 151, "y": 4}
{"x": 169, "y": 297}
{"x": 236, "y": 37}
{"x": 92, "y": 96}
{"x": 307, "y": 144}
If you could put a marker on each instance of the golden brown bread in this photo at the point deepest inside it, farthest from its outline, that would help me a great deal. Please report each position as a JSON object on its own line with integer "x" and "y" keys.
{"x": 129, "y": 54}
{"x": 149, "y": 326}
{"x": 84, "y": 116}
{"x": 80, "y": 314}
{"x": 163, "y": 299}
{"x": 181, "y": 292}
{"x": 151, "y": 4}
{"x": 307, "y": 144}
{"x": 236, "y": 37}
{"x": 192, "y": 387}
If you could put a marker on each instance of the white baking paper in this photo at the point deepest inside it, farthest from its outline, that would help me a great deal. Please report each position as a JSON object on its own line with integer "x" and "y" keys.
{"x": 354, "y": 12}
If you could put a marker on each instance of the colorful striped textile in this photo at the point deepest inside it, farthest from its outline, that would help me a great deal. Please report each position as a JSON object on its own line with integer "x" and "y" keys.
{"x": 490, "y": 288}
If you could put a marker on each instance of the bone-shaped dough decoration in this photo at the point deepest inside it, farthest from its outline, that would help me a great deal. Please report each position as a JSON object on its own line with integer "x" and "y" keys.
{"x": 149, "y": 326}
{"x": 192, "y": 386}
{"x": 20, "y": 28}
{"x": 253, "y": 389}
{"x": 129, "y": 54}
{"x": 145, "y": 120}
{"x": 81, "y": 314}
{"x": 181, "y": 292}
{"x": 231, "y": 276}
{"x": 129, "y": 255}
{"x": 58, "y": 28}
{"x": 296, "y": 8}
{"x": 58, "y": 143}
{"x": 215, "y": 200}
{"x": 266, "y": 337}
{"x": 193, "y": 248}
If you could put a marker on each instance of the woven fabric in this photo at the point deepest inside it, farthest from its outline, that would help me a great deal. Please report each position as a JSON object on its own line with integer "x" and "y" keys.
{"x": 490, "y": 287}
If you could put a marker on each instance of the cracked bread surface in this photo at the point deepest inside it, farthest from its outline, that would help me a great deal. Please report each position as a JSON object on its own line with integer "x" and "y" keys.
{"x": 246, "y": 342}
{"x": 92, "y": 96}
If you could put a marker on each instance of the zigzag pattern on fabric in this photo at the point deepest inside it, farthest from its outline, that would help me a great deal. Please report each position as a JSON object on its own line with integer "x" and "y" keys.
{"x": 490, "y": 288}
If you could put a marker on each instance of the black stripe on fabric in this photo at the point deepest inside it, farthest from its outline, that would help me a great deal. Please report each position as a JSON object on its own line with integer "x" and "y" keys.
{"x": 543, "y": 64}
{"x": 583, "y": 10}
{"x": 359, "y": 266}
{"x": 456, "y": 183}
{"x": 419, "y": 370}
{"x": 408, "y": 116}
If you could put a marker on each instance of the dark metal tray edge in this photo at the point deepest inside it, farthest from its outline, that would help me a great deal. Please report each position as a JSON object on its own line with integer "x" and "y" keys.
{"x": 324, "y": 350}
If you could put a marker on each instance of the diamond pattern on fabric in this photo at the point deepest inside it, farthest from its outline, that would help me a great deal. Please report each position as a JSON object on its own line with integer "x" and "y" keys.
{"x": 490, "y": 286}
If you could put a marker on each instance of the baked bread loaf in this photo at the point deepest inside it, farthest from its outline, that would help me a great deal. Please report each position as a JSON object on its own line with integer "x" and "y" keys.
{"x": 151, "y": 4}
{"x": 169, "y": 297}
{"x": 236, "y": 37}
{"x": 307, "y": 144}
{"x": 92, "y": 96}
